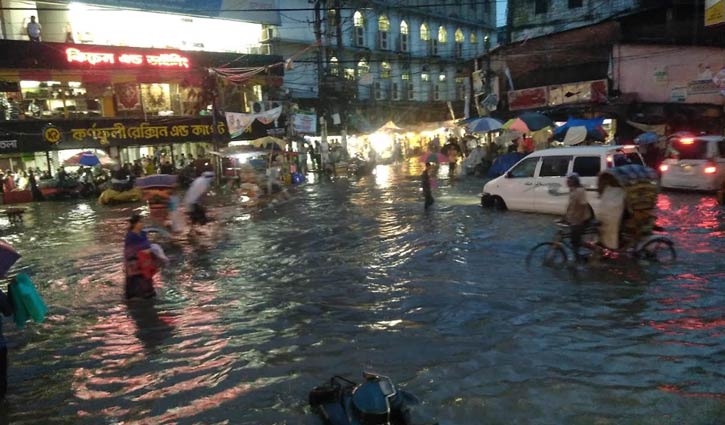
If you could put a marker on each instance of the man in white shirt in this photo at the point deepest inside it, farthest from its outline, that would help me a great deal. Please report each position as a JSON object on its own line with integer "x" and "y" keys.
{"x": 33, "y": 29}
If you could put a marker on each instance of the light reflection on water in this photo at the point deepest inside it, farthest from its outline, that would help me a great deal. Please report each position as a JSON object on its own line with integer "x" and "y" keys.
{"x": 351, "y": 274}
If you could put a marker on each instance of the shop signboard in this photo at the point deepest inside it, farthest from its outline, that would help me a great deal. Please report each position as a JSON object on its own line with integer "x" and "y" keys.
{"x": 678, "y": 94}
{"x": 701, "y": 87}
{"x": 536, "y": 97}
{"x": 714, "y": 12}
{"x": 40, "y": 136}
{"x": 305, "y": 122}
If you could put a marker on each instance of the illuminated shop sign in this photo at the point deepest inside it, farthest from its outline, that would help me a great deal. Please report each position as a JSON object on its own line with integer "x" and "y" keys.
{"x": 162, "y": 60}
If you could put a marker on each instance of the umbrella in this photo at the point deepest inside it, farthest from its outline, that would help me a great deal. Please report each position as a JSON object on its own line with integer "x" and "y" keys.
{"x": 528, "y": 122}
{"x": 156, "y": 180}
{"x": 198, "y": 188}
{"x": 389, "y": 127}
{"x": 8, "y": 257}
{"x": 88, "y": 159}
{"x": 575, "y": 135}
{"x": 647, "y": 138}
{"x": 484, "y": 125}
{"x": 435, "y": 157}
{"x": 264, "y": 142}
{"x": 572, "y": 135}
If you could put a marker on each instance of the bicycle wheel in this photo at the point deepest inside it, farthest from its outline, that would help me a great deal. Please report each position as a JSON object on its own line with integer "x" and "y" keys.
{"x": 659, "y": 250}
{"x": 547, "y": 254}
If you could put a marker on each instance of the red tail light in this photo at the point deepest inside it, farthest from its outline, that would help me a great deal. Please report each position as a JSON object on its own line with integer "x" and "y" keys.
{"x": 687, "y": 140}
{"x": 710, "y": 169}
{"x": 664, "y": 167}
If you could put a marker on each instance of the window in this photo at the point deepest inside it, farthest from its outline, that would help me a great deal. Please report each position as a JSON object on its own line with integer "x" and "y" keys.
{"x": 55, "y": 99}
{"x": 403, "y": 40}
{"x": 334, "y": 66}
{"x": 575, "y": 3}
{"x": 424, "y": 33}
{"x": 474, "y": 39}
{"x": 405, "y": 76}
{"x": 359, "y": 31}
{"x": 442, "y": 77}
{"x": 332, "y": 23}
{"x": 525, "y": 168}
{"x": 383, "y": 24}
{"x": 425, "y": 77}
{"x": 349, "y": 73}
{"x": 385, "y": 70}
{"x": 587, "y": 166}
{"x": 554, "y": 166}
{"x": 620, "y": 158}
{"x": 363, "y": 67}
{"x": 459, "y": 37}
{"x": 442, "y": 35}
{"x": 690, "y": 149}
{"x": 541, "y": 6}
{"x": 358, "y": 19}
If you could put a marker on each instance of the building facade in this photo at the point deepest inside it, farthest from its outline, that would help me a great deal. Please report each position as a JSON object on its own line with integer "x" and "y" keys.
{"x": 655, "y": 64}
{"x": 126, "y": 81}
{"x": 383, "y": 60}
{"x": 534, "y": 18}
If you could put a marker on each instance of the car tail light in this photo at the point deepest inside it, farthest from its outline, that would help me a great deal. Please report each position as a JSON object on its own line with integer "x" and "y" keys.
{"x": 664, "y": 167}
{"x": 710, "y": 169}
{"x": 687, "y": 141}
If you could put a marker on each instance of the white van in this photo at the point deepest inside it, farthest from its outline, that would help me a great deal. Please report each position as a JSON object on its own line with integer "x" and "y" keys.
{"x": 695, "y": 163}
{"x": 537, "y": 183}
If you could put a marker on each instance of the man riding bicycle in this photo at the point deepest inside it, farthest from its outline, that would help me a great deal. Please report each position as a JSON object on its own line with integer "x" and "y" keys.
{"x": 578, "y": 212}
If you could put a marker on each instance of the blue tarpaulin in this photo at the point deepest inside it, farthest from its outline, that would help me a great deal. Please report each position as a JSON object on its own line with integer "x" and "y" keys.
{"x": 503, "y": 163}
{"x": 591, "y": 124}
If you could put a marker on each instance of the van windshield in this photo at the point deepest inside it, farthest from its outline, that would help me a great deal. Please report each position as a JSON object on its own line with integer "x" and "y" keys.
{"x": 689, "y": 149}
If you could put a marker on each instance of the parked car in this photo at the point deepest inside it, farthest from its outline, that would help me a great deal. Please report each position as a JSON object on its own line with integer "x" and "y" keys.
{"x": 537, "y": 183}
{"x": 695, "y": 163}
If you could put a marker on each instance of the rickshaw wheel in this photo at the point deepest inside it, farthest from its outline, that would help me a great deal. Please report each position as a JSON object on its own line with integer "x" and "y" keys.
{"x": 660, "y": 250}
{"x": 547, "y": 254}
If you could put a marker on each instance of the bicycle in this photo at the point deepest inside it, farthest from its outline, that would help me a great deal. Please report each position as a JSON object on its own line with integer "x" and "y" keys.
{"x": 554, "y": 253}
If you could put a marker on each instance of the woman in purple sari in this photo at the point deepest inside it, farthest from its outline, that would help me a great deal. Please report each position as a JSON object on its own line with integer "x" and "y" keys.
{"x": 137, "y": 250}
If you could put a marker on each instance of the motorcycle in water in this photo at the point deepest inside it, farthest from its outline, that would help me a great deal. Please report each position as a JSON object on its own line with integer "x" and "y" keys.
{"x": 375, "y": 401}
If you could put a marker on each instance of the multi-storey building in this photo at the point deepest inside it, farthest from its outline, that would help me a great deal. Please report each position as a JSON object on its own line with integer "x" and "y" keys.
{"x": 127, "y": 76}
{"x": 534, "y": 18}
{"x": 382, "y": 60}
{"x": 654, "y": 62}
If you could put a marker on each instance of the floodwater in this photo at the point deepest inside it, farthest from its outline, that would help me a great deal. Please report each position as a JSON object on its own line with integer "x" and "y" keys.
{"x": 351, "y": 275}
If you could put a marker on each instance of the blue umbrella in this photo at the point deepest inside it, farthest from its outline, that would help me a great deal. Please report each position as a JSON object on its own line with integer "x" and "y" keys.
{"x": 87, "y": 159}
{"x": 648, "y": 138}
{"x": 484, "y": 125}
{"x": 8, "y": 257}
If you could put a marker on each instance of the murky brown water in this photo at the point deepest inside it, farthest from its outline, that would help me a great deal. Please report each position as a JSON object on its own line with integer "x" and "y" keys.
{"x": 351, "y": 275}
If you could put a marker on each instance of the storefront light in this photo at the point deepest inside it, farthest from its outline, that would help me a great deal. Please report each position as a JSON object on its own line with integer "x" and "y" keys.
{"x": 74, "y": 84}
{"x": 29, "y": 84}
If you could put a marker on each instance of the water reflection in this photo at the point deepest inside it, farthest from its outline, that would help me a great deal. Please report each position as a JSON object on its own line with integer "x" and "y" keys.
{"x": 351, "y": 274}
{"x": 151, "y": 328}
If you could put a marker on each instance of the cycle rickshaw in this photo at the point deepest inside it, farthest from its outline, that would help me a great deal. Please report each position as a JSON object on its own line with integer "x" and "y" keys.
{"x": 625, "y": 225}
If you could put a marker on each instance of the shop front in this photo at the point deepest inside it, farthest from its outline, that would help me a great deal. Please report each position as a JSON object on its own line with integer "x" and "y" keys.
{"x": 132, "y": 102}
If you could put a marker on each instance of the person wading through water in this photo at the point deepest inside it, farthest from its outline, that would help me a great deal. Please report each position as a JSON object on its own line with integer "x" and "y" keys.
{"x": 426, "y": 185}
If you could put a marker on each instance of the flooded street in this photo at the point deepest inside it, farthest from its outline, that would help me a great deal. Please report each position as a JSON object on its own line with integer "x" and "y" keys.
{"x": 352, "y": 274}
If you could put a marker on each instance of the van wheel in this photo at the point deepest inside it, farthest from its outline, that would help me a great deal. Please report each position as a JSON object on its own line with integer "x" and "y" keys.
{"x": 487, "y": 201}
{"x": 499, "y": 204}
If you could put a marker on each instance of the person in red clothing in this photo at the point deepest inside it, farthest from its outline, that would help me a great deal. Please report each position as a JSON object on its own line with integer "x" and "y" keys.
{"x": 138, "y": 261}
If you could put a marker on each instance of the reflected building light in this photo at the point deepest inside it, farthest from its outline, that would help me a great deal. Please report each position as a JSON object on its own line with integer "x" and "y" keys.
{"x": 382, "y": 176}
